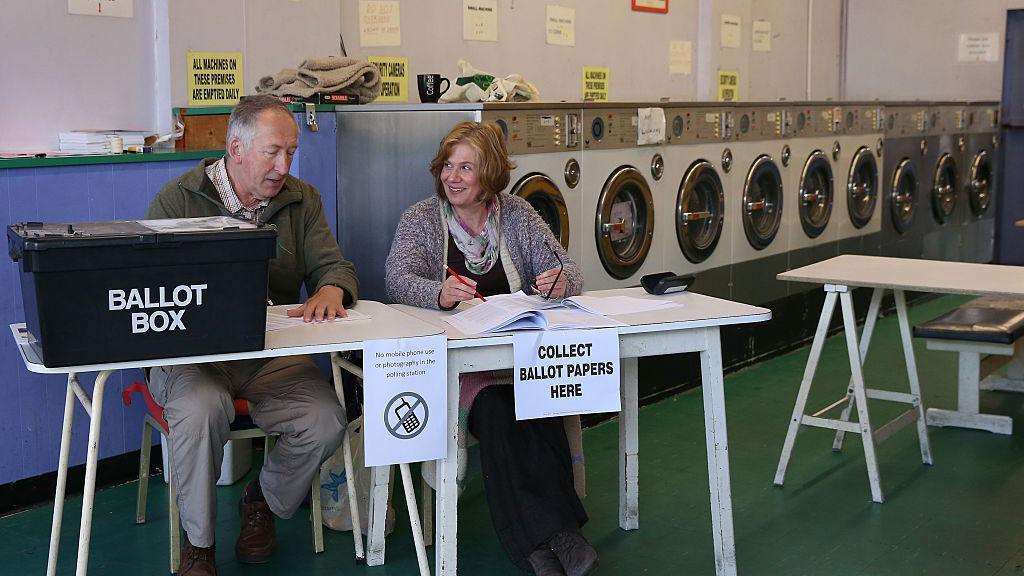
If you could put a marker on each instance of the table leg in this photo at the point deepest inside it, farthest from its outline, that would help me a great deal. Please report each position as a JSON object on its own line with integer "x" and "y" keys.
{"x": 380, "y": 485}
{"x": 865, "y": 342}
{"x": 62, "y": 477}
{"x": 860, "y": 396}
{"x": 446, "y": 520}
{"x": 89, "y": 491}
{"x": 713, "y": 388}
{"x": 337, "y": 362}
{"x": 629, "y": 464}
{"x": 827, "y": 309}
{"x": 414, "y": 520}
{"x": 915, "y": 385}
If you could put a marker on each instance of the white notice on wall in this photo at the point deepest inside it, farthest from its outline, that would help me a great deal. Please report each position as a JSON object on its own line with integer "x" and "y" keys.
{"x": 563, "y": 372}
{"x": 979, "y": 47}
{"x": 650, "y": 127}
{"x": 680, "y": 57}
{"x": 560, "y": 25}
{"x": 730, "y": 37}
{"x": 761, "y": 36}
{"x": 118, "y": 8}
{"x": 480, "y": 20}
{"x": 405, "y": 400}
{"x": 379, "y": 23}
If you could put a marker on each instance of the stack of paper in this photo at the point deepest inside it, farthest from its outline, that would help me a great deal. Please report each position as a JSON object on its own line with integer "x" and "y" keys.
{"x": 98, "y": 141}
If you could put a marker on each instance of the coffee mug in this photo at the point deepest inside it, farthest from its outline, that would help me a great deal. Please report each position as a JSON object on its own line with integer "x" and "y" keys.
{"x": 430, "y": 86}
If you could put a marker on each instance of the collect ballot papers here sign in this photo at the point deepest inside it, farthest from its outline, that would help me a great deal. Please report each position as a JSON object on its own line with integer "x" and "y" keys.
{"x": 563, "y": 372}
{"x": 405, "y": 400}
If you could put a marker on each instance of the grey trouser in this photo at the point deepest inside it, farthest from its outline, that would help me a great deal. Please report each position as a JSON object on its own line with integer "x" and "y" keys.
{"x": 289, "y": 397}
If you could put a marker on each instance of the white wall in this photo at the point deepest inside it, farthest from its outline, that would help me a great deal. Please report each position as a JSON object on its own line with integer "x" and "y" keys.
{"x": 64, "y": 72}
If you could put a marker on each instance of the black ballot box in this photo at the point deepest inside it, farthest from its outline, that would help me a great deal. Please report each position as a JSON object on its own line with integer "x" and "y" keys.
{"x": 100, "y": 292}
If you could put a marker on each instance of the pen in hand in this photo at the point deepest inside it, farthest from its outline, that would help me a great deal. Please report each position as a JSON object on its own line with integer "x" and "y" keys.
{"x": 464, "y": 283}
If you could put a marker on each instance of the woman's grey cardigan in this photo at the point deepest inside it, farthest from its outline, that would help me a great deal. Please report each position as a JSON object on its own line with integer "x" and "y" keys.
{"x": 415, "y": 268}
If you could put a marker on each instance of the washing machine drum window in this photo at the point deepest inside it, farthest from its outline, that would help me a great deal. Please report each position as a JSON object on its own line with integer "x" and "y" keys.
{"x": 542, "y": 193}
{"x": 981, "y": 183}
{"x": 700, "y": 211}
{"x": 904, "y": 195}
{"x": 944, "y": 192}
{"x": 815, "y": 200}
{"x": 762, "y": 202}
{"x": 861, "y": 187}
{"x": 625, "y": 222}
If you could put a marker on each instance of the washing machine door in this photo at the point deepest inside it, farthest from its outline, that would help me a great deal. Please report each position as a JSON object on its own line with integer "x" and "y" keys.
{"x": 980, "y": 192}
{"x": 944, "y": 190}
{"x": 815, "y": 194}
{"x": 625, "y": 222}
{"x": 700, "y": 211}
{"x": 545, "y": 197}
{"x": 903, "y": 197}
{"x": 762, "y": 202}
{"x": 861, "y": 187}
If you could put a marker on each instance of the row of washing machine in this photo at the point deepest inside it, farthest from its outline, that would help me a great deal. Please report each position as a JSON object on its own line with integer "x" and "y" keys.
{"x": 738, "y": 193}
{"x": 734, "y": 193}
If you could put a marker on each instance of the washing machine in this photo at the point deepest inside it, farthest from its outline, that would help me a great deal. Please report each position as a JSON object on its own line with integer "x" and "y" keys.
{"x": 696, "y": 195}
{"x": 760, "y": 237}
{"x": 945, "y": 143}
{"x": 543, "y": 141}
{"x": 979, "y": 182}
{"x": 621, "y": 237}
{"x": 906, "y": 202}
{"x": 857, "y": 163}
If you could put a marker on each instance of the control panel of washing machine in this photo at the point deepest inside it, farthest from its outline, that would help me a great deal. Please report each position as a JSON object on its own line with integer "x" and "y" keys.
{"x": 610, "y": 128}
{"x": 695, "y": 124}
{"x": 538, "y": 131}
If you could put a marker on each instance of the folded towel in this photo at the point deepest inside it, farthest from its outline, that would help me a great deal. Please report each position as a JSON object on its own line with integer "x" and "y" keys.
{"x": 329, "y": 63}
{"x": 271, "y": 83}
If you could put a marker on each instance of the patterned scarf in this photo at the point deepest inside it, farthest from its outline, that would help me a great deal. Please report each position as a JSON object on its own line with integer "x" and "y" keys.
{"x": 481, "y": 250}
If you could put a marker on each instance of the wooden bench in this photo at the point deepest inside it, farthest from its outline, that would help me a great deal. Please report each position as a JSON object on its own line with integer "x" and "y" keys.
{"x": 986, "y": 334}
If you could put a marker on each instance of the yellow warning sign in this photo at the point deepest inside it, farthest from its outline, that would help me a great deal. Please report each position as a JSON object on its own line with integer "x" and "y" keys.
{"x": 394, "y": 78}
{"x": 728, "y": 85}
{"x": 214, "y": 78}
{"x": 595, "y": 84}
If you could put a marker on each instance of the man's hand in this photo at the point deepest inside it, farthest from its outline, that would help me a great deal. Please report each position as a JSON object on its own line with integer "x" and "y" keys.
{"x": 326, "y": 304}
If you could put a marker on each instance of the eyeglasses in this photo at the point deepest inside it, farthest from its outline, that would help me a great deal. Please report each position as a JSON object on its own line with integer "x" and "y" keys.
{"x": 558, "y": 277}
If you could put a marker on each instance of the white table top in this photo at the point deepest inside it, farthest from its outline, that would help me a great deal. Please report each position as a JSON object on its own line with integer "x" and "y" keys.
{"x": 313, "y": 338}
{"x": 697, "y": 311}
{"x": 913, "y": 274}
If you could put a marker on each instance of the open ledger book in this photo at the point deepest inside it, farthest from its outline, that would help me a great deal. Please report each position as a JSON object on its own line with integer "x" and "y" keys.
{"x": 504, "y": 312}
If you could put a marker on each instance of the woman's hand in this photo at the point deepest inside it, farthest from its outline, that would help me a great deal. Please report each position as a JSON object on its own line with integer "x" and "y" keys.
{"x": 546, "y": 278}
{"x": 453, "y": 291}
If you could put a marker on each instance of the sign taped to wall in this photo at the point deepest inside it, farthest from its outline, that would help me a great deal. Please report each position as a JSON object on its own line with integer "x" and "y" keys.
{"x": 394, "y": 78}
{"x": 214, "y": 78}
{"x": 595, "y": 84}
{"x": 728, "y": 85}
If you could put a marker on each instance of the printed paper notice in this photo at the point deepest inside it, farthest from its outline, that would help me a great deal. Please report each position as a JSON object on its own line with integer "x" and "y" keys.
{"x": 214, "y": 78}
{"x": 394, "y": 78}
{"x": 680, "y": 57}
{"x": 979, "y": 47}
{"x": 728, "y": 85}
{"x": 561, "y": 25}
{"x": 405, "y": 402}
{"x": 480, "y": 20}
{"x": 761, "y": 36}
{"x": 595, "y": 84}
{"x": 379, "y": 23}
{"x": 730, "y": 37}
{"x": 566, "y": 372}
{"x": 118, "y": 8}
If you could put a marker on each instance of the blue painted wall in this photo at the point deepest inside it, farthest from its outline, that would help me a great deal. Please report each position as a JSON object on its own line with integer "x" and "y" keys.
{"x": 31, "y": 405}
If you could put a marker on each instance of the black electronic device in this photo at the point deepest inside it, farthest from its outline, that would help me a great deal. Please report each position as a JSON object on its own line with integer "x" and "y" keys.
{"x": 666, "y": 282}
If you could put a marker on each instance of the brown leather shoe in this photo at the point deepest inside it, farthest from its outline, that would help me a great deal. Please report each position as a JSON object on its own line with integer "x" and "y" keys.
{"x": 257, "y": 539}
{"x": 544, "y": 563}
{"x": 577, "y": 556}
{"x": 197, "y": 561}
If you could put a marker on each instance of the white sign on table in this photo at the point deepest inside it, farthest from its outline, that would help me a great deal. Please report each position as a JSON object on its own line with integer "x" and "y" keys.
{"x": 563, "y": 372}
{"x": 405, "y": 400}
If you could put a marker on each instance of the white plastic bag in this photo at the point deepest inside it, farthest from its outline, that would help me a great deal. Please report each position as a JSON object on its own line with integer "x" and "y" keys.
{"x": 334, "y": 486}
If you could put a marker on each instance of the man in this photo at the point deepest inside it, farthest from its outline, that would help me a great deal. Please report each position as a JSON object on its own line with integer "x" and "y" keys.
{"x": 288, "y": 395}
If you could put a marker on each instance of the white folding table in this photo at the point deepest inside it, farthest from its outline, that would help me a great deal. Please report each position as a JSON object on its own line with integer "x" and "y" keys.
{"x": 693, "y": 327}
{"x": 330, "y": 337}
{"x": 838, "y": 275}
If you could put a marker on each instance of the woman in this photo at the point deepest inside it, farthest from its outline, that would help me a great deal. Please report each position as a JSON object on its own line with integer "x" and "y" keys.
{"x": 497, "y": 244}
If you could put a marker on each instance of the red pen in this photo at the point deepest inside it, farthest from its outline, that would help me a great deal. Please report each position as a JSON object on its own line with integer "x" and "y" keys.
{"x": 463, "y": 281}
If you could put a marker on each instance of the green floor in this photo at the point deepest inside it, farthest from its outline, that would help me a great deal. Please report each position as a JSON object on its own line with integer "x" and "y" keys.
{"x": 962, "y": 516}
